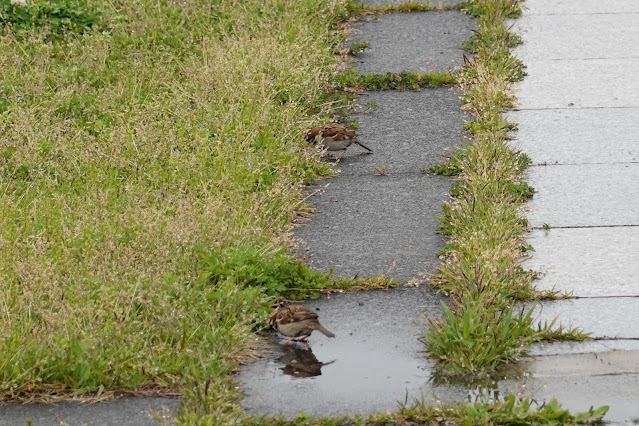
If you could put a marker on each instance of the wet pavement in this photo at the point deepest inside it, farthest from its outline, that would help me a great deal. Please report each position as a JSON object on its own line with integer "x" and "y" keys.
{"x": 370, "y": 223}
{"x": 374, "y": 361}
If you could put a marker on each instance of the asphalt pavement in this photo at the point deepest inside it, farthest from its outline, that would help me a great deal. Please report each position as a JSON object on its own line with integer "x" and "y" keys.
{"x": 378, "y": 216}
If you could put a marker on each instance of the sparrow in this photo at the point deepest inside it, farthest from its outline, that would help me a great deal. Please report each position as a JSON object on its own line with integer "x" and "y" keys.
{"x": 334, "y": 138}
{"x": 296, "y": 322}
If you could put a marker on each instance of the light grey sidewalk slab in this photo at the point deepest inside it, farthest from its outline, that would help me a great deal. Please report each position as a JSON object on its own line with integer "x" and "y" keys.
{"x": 578, "y": 36}
{"x": 588, "y": 346}
{"x": 125, "y": 412}
{"x": 407, "y": 131}
{"x": 574, "y": 136}
{"x": 377, "y": 358}
{"x": 572, "y": 7}
{"x": 580, "y": 382}
{"x": 584, "y": 195}
{"x": 602, "y": 363}
{"x": 371, "y": 225}
{"x": 604, "y": 317}
{"x": 590, "y": 83}
{"x": 415, "y": 41}
{"x": 587, "y": 262}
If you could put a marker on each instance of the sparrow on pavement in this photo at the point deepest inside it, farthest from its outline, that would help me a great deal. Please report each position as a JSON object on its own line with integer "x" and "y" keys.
{"x": 334, "y": 138}
{"x": 296, "y": 322}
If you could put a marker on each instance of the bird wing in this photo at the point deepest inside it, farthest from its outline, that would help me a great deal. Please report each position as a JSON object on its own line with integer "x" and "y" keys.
{"x": 338, "y": 132}
{"x": 293, "y": 313}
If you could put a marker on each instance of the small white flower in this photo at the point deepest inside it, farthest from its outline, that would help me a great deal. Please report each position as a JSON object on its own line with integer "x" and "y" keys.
{"x": 19, "y": 2}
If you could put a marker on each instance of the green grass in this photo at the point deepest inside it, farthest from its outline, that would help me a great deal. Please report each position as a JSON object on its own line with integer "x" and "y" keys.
{"x": 358, "y": 47}
{"x": 358, "y": 8}
{"x": 393, "y": 81}
{"x": 57, "y": 17}
{"x": 481, "y": 332}
{"x": 151, "y": 161}
{"x": 511, "y": 411}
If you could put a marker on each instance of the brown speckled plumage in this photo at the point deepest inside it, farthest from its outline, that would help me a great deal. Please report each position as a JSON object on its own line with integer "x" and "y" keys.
{"x": 297, "y": 322}
{"x": 334, "y": 137}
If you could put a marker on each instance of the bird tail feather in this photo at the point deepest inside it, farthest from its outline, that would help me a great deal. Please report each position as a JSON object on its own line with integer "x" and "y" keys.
{"x": 325, "y": 331}
{"x": 363, "y": 146}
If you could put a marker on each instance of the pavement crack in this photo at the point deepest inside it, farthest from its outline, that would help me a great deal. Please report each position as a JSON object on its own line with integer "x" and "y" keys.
{"x": 585, "y": 227}
{"x": 585, "y": 164}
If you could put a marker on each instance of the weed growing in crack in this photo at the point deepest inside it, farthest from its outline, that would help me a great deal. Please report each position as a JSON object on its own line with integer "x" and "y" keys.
{"x": 356, "y": 48}
{"x": 485, "y": 231}
{"x": 393, "y": 81}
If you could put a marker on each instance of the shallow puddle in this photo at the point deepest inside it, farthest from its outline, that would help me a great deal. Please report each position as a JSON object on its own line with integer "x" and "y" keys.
{"x": 374, "y": 362}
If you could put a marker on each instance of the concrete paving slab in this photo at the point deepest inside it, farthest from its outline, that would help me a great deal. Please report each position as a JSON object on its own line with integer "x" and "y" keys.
{"x": 584, "y": 195}
{"x": 585, "y": 7}
{"x": 580, "y": 382}
{"x": 589, "y": 83}
{"x": 578, "y": 36}
{"x": 604, "y": 317}
{"x": 578, "y": 107}
{"x": 416, "y": 41}
{"x": 602, "y": 363}
{"x": 371, "y": 225}
{"x": 590, "y": 346}
{"x": 125, "y": 412}
{"x": 377, "y": 358}
{"x": 587, "y": 262}
{"x": 407, "y": 131}
{"x": 577, "y": 136}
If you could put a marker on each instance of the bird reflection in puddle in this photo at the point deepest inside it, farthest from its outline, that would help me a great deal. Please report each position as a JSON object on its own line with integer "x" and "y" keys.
{"x": 301, "y": 362}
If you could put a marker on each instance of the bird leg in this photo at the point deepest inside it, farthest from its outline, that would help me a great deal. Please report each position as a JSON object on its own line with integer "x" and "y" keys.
{"x": 287, "y": 342}
{"x": 304, "y": 339}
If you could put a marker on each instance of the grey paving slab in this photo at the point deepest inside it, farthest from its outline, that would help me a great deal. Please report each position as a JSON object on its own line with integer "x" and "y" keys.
{"x": 587, "y": 262}
{"x": 370, "y": 225}
{"x": 584, "y": 195}
{"x": 416, "y": 41}
{"x": 378, "y": 360}
{"x": 589, "y": 83}
{"x": 600, "y": 363}
{"x": 579, "y": 382}
{"x": 604, "y": 317}
{"x": 578, "y": 36}
{"x": 125, "y": 411}
{"x": 574, "y": 136}
{"x": 407, "y": 131}
{"x": 437, "y": 3}
{"x": 589, "y": 346}
{"x": 586, "y": 7}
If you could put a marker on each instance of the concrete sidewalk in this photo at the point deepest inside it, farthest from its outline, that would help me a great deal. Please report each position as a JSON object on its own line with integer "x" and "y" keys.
{"x": 578, "y": 121}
